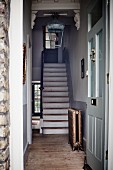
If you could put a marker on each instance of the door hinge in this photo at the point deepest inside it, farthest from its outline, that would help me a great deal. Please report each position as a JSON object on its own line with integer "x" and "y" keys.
{"x": 106, "y": 156}
{"x": 107, "y": 78}
{"x": 108, "y": 1}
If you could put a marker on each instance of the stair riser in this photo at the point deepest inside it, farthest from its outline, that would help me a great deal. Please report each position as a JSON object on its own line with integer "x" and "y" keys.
{"x": 55, "y": 111}
{"x": 54, "y": 74}
{"x": 55, "y": 84}
{"x": 55, "y": 89}
{"x": 55, "y": 105}
{"x": 55, "y": 117}
{"x": 54, "y": 65}
{"x": 55, "y": 124}
{"x": 55, "y": 94}
{"x": 55, "y": 79}
{"x": 55, "y": 131}
{"x": 55, "y": 99}
{"x": 55, "y": 70}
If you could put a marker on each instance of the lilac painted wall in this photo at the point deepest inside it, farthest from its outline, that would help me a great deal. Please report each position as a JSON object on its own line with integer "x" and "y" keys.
{"x": 37, "y": 40}
{"x": 76, "y": 43}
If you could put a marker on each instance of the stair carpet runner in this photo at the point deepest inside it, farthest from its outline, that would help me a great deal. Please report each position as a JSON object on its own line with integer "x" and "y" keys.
{"x": 55, "y": 99}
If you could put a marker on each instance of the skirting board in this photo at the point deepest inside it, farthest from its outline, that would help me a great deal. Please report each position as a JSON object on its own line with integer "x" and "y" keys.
{"x": 26, "y": 153}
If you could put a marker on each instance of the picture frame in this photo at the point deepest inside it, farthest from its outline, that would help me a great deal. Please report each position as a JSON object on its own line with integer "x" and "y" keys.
{"x": 82, "y": 69}
{"x": 24, "y": 63}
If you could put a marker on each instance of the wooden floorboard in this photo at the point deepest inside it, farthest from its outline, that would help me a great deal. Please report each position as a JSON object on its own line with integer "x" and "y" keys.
{"x": 52, "y": 152}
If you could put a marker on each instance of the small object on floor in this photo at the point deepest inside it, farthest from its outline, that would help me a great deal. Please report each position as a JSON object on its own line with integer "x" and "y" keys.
{"x": 77, "y": 146}
{"x": 86, "y": 166}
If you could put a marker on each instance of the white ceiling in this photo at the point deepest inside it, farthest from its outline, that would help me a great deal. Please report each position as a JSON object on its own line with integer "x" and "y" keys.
{"x": 60, "y": 6}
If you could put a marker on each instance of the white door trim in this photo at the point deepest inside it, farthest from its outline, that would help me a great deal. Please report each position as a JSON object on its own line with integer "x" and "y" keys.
{"x": 16, "y": 85}
{"x": 106, "y": 81}
{"x": 110, "y": 126}
{"x": 29, "y": 92}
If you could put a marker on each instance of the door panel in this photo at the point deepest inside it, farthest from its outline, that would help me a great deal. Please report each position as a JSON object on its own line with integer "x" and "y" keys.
{"x": 95, "y": 104}
{"x": 98, "y": 138}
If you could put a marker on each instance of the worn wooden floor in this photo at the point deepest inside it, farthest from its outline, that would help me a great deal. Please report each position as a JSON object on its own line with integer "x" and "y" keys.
{"x": 52, "y": 152}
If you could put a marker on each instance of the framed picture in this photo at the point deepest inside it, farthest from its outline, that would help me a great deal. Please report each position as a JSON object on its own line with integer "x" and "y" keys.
{"x": 82, "y": 68}
{"x": 24, "y": 63}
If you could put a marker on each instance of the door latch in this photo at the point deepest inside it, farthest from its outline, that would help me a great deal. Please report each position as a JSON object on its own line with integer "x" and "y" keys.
{"x": 107, "y": 78}
{"x": 106, "y": 157}
{"x": 93, "y": 55}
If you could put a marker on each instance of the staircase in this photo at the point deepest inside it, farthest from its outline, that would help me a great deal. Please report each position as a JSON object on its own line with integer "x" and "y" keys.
{"x": 55, "y": 99}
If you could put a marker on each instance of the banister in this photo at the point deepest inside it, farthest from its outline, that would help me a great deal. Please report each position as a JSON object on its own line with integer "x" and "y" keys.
{"x": 41, "y": 88}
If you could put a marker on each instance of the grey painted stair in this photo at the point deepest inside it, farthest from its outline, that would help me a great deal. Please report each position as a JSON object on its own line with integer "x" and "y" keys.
{"x": 55, "y": 70}
{"x": 51, "y": 123}
{"x": 52, "y": 130}
{"x": 55, "y": 99}
{"x": 54, "y": 84}
{"x": 55, "y": 117}
{"x": 54, "y": 65}
{"x": 55, "y": 111}
{"x": 55, "y": 79}
{"x": 48, "y": 89}
{"x": 47, "y": 74}
{"x": 62, "y": 94}
{"x": 55, "y": 105}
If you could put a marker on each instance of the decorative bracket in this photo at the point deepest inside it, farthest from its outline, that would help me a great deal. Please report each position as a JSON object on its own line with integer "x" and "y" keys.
{"x": 77, "y": 18}
{"x": 33, "y": 17}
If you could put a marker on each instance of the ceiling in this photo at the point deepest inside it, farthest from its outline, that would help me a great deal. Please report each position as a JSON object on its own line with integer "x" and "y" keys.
{"x": 47, "y": 13}
{"x": 45, "y": 8}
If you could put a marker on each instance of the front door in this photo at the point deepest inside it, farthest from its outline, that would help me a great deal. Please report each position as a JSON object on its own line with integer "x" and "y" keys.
{"x": 95, "y": 104}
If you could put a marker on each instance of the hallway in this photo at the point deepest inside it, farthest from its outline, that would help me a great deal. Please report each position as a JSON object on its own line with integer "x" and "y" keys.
{"x": 52, "y": 152}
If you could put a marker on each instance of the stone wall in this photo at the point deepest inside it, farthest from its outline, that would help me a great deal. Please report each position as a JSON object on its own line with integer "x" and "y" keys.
{"x": 4, "y": 85}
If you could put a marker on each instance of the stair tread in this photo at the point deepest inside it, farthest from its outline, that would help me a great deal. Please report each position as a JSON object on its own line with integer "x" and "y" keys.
{"x": 57, "y": 102}
{"x": 55, "y": 64}
{"x": 55, "y": 108}
{"x": 55, "y": 120}
{"x": 52, "y": 75}
{"x": 55, "y": 88}
{"x": 55, "y": 67}
{"x": 55, "y": 84}
{"x": 54, "y": 70}
{"x": 54, "y": 127}
{"x": 56, "y": 81}
{"x": 55, "y": 91}
{"x": 50, "y": 114}
{"x": 55, "y": 97}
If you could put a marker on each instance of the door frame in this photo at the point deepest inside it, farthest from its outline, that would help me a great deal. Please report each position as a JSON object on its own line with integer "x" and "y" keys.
{"x": 110, "y": 125}
{"x": 16, "y": 85}
{"x": 106, "y": 25}
{"x": 29, "y": 90}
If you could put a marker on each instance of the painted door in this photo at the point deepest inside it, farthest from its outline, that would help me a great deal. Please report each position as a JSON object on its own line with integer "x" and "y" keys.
{"x": 95, "y": 104}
